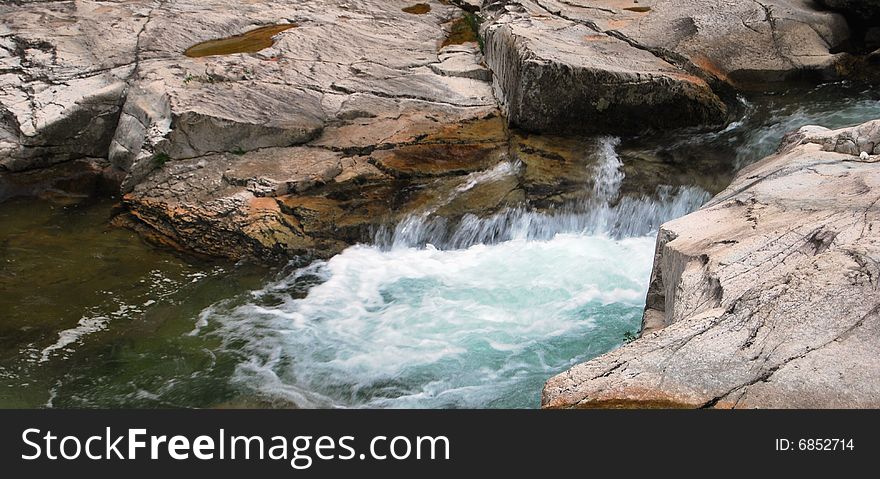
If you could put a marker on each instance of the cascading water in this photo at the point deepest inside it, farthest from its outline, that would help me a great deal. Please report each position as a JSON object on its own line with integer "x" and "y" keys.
{"x": 94, "y": 317}
{"x": 477, "y": 313}
{"x": 597, "y": 212}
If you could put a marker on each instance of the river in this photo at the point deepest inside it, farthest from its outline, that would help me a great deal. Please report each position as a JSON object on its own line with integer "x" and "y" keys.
{"x": 474, "y": 314}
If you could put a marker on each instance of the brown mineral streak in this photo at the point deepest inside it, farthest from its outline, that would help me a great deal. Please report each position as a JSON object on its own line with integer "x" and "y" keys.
{"x": 248, "y": 42}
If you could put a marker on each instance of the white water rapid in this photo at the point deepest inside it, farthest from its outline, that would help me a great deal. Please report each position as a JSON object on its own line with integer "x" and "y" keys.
{"x": 473, "y": 314}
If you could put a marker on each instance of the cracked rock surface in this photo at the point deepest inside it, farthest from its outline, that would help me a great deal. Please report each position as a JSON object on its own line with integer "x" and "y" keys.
{"x": 623, "y": 66}
{"x": 356, "y": 110}
{"x": 768, "y": 296}
{"x": 210, "y": 151}
{"x": 63, "y": 73}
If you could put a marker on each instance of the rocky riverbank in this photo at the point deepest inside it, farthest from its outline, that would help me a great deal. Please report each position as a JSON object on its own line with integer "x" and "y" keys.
{"x": 278, "y": 129}
{"x": 765, "y": 297}
{"x": 338, "y": 119}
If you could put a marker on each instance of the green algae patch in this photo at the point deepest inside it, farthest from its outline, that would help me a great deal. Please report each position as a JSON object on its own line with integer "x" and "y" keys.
{"x": 248, "y": 42}
{"x": 463, "y": 30}
{"x": 418, "y": 9}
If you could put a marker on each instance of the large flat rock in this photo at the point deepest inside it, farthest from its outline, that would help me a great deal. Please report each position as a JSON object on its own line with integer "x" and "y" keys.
{"x": 765, "y": 297}
{"x": 211, "y": 151}
{"x": 71, "y": 69}
{"x": 748, "y": 43}
{"x": 339, "y": 66}
{"x": 63, "y": 73}
{"x": 618, "y": 65}
{"x": 287, "y": 137}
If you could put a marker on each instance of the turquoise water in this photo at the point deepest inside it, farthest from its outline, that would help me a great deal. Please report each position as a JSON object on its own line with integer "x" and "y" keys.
{"x": 474, "y": 314}
{"x": 477, "y": 314}
{"x": 478, "y": 327}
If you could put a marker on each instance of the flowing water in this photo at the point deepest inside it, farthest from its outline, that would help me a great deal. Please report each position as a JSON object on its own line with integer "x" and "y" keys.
{"x": 475, "y": 315}
{"x": 477, "y": 312}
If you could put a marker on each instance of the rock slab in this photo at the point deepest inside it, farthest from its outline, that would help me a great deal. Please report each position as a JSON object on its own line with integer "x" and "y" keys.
{"x": 768, "y": 296}
{"x": 622, "y": 66}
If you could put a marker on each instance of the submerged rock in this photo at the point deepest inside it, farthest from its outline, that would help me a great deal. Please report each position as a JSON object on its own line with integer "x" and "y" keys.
{"x": 82, "y": 178}
{"x": 765, "y": 297}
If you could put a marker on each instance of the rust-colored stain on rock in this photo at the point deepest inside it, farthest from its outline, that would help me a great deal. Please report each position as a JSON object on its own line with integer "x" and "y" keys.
{"x": 707, "y": 65}
{"x": 417, "y": 9}
{"x": 248, "y": 42}
{"x": 415, "y": 161}
{"x": 617, "y": 24}
{"x": 262, "y": 203}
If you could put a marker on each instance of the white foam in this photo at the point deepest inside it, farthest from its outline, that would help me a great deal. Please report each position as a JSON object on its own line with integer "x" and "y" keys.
{"x": 427, "y": 327}
{"x": 475, "y": 314}
{"x": 599, "y": 213}
{"x": 608, "y": 176}
{"x": 67, "y": 337}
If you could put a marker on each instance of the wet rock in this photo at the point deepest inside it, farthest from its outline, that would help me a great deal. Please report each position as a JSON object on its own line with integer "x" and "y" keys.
{"x": 84, "y": 177}
{"x": 865, "y": 10}
{"x": 765, "y": 297}
{"x": 438, "y": 160}
{"x": 483, "y": 198}
{"x": 225, "y": 205}
{"x": 280, "y": 202}
{"x": 554, "y": 169}
{"x": 645, "y": 166}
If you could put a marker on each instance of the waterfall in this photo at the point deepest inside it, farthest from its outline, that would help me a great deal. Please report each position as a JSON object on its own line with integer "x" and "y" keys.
{"x": 467, "y": 312}
{"x": 597, "y": 212}
{"x": 608, "y": 176}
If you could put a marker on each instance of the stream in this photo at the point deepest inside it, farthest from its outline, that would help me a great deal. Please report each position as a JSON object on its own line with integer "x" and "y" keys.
{"x": 475, "y": 314}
